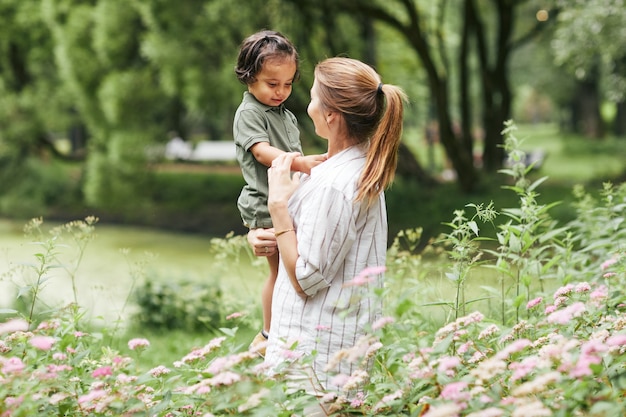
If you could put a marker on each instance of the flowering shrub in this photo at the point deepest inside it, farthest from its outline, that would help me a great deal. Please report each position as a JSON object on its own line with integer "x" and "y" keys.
{"x": 551, "y": 342}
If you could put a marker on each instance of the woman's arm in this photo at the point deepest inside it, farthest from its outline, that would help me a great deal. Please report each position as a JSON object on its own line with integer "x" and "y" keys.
{"x": 282, "y": 185}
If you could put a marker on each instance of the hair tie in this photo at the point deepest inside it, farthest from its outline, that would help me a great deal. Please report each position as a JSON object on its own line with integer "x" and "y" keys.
{"x": 379, "y": 90}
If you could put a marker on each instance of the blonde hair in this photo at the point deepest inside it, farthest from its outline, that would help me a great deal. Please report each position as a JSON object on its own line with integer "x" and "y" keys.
{"x": 372, "y": 113}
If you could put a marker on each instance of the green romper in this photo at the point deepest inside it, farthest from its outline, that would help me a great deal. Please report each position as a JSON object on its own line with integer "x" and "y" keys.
{"x": 255, "y": 122}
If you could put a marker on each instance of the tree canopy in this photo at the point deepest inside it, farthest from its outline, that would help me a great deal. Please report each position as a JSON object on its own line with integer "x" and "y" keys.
{"x": 114, "y": 77}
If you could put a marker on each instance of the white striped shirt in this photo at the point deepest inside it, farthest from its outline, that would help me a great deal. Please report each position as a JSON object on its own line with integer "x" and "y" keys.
{"x": 337, "y": 239}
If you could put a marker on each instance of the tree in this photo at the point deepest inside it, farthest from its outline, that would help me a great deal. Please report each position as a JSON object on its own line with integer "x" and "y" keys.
{"x": 589, "y": 43}
{"x": 482, "y": 39}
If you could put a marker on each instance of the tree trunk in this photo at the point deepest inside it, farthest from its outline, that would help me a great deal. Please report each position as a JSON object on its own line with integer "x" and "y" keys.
{"x": 587, "y": 104}
{"x": 496, "y": 90}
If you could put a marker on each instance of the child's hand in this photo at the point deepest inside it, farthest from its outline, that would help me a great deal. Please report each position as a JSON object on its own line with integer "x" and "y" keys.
{"x": 306, "y": 163}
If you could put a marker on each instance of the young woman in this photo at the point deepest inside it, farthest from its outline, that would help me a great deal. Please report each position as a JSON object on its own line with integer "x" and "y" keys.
{"x": 331, "y": 224}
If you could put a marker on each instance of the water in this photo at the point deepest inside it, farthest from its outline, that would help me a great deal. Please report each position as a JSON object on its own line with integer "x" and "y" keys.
{"x": 106, "y": 275}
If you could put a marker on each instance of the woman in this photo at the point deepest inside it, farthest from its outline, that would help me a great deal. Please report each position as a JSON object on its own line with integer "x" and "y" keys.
{"x": 332, "y": 224}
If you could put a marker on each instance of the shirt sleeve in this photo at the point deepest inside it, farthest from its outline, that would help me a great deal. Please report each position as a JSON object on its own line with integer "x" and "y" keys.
{"x": 326, "y": 233}
{"x": 250, "y": 128}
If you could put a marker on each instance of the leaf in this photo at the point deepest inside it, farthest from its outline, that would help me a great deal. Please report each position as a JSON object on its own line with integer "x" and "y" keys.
{"x": 475, "y": 300}
{"x": 514, "y": 243}
{"x": 21, "y": 291}
{"x": 8, "y": 311}
{"x": 472, "y": 225}
{"x": 228, "y": 331}
{"x": 536, "y": 183}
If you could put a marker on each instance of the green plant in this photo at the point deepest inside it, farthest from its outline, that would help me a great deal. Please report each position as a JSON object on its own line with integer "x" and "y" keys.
{"x": 183, "y": 305}
{"x": 561, "y": 351}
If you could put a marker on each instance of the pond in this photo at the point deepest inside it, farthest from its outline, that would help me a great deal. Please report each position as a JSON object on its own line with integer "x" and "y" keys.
{"x": 116, "y": 260}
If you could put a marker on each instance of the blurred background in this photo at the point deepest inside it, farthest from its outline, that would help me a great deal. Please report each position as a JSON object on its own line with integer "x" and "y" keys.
{"x": 123, "y": 108}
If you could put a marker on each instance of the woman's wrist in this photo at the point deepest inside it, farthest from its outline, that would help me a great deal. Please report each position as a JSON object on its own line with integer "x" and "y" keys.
{"x": 283, "y": 231}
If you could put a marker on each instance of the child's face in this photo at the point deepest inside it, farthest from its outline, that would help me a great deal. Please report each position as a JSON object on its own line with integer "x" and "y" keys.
{"x": 273, "y": 83}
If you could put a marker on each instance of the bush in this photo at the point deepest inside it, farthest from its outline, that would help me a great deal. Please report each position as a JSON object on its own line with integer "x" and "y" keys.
{"x": 182, "y": 305}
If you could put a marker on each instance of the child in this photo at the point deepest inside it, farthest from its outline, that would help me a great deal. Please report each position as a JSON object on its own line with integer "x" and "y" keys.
{"x": 264, "y": 129}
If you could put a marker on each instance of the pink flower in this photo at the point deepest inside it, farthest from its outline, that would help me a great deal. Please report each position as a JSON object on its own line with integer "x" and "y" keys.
{"x": 382, "y": 322}
{"x": 448, "y": 362}
{"x": 358, "y": 401}
{"x": 523, "y": 368}
{"x": 608, "y": 263}
{"x": 14, "y": 401}
{"x": 387, "y": 399}
{"x": 366, "y": 276}
{"x": 582, "y": 287}
{"x": 224, "y": 378}
{"x": 563, "y": 291}
{"x": 12, "y": 365}
{"x": 59, "y": 356}
{"x": 79, "y": 334}
{"x": 616, "y": 340}
{"x": 454, "y": 392}
{"x": 534, "y": 303}
{"x": 52, "y": 368}
{"x": 235, "y": 315}
{"x": 514, "y": 347}
{"x": 550, "y": 309}
{"x": 14, "y": 325}
{"x": 42, "y": 342}
{"x": 599, "y": 293}
{"x": 464, "y": 348}
{"x": 90, "y": 396}
{"x": 102, "y": 372}
{"x": 158, "y": 371}
{"x": 567, "y": 314}
{"x": 340, "y": 380}
{"x": 291, "y": 354}
{"x": 134, "y": 344}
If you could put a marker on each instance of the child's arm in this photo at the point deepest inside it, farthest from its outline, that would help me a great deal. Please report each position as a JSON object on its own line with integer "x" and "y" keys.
{"x": 266, "y": 153}
{"x": 305, "y": 163}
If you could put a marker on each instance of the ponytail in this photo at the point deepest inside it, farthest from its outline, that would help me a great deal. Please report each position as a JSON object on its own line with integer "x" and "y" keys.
{"x": 382, "y": 154}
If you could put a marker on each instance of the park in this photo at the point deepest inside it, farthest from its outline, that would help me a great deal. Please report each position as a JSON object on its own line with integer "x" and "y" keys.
{"x": 127, "y": 285}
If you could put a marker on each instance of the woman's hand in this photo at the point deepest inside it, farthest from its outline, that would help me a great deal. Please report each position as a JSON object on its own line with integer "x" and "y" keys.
{"x": 281, "y": 184}
{"x": 263, "y": 242}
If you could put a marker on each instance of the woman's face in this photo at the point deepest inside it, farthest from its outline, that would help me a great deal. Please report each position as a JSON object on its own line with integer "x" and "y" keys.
{"x": 316, "y": 113}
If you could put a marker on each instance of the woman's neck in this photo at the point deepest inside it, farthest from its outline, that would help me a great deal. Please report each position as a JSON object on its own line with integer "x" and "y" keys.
{"x": 338, "y": 145}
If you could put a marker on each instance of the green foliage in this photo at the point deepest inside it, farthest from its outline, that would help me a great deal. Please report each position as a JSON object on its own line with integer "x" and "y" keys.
{"x": 180, "y": 305}
{"x": 33, "y": 187}
{"x": 591, "y": 34}
{"x": 557, "y": 349}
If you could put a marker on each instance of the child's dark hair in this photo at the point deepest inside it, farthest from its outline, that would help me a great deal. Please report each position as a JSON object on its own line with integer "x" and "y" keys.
{"x": 260, "y": 47}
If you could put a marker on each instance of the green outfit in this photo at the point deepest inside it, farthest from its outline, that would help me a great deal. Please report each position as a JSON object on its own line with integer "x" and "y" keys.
{"x": 255, "y": 122}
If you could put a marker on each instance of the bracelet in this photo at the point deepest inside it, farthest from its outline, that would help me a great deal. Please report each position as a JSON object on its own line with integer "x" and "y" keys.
{"x": 283, "y": 232}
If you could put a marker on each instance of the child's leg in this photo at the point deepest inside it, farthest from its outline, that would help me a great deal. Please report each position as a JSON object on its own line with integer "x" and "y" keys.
{"x": 268, "y": 291}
